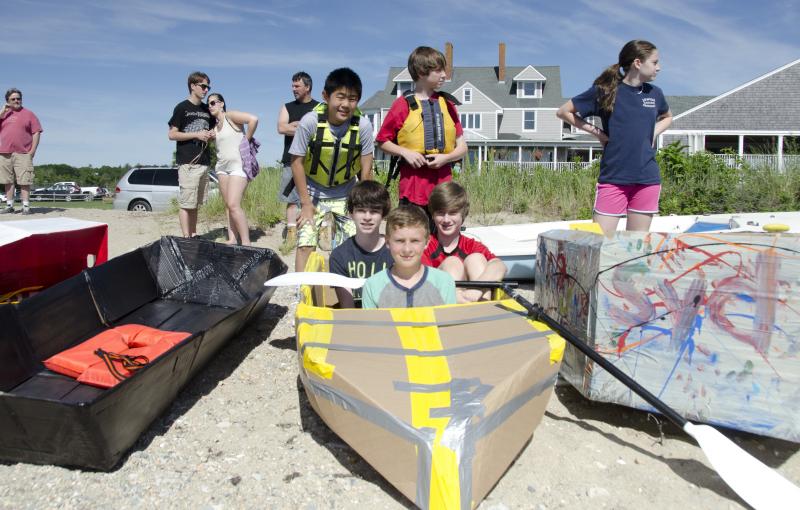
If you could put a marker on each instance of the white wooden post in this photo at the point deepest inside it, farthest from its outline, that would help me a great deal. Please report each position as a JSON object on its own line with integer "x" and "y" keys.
{"x": 480, "y": 159}
{"x": 741, "y": 145}
{"x": 780, "y": 153}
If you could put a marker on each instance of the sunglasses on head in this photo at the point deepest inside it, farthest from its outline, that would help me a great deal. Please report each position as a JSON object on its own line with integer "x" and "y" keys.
{"x": 204, "y": 86}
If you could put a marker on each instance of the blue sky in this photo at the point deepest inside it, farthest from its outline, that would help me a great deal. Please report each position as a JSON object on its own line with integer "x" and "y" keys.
{"x": 103, "y": 77}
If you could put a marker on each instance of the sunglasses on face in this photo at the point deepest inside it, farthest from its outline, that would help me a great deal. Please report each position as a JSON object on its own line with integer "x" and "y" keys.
{"x": 214, "y": 103}
{"x": 15, "y": 99}
{"x": 204, "y": 86}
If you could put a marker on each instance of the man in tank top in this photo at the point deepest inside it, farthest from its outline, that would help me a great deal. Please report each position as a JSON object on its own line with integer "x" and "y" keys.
{"x": 288, "y": 118}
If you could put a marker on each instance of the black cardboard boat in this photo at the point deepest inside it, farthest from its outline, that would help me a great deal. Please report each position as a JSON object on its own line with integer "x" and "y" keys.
{"x": 208, "y": 289}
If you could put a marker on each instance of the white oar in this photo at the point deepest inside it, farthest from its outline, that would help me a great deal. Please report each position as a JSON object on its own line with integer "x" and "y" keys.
{"x": 761, "y": 487}
{"x": 315, "y": 278}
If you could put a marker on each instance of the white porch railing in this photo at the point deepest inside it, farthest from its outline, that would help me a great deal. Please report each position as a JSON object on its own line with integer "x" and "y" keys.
{"x": 760, "y": 160}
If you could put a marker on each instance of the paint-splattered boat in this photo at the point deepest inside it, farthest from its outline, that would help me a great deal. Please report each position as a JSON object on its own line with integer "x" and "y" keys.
{"x": 205, "y": 290}
{"x": 709, "y": 322}
{"x": 516, "y": 244}
{"x": 439, "y": 400}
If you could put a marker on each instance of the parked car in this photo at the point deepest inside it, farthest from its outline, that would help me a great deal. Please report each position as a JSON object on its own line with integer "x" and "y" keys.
{"x": 150, "y": 189}
{"x": 61, "y": 191}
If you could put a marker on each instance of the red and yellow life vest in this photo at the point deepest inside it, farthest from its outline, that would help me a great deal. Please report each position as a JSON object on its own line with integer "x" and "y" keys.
{"x": 429, "y": 128}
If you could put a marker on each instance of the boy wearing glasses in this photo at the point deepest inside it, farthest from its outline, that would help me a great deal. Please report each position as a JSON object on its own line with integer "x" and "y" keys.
{"x": 191, "y": 128}
{"x": 19, "y": 137}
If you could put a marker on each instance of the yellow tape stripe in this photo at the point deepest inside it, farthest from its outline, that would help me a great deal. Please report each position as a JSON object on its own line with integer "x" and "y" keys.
{"x": 557, "y": 344}
{"x": 315, "y": 358}
{"x": 444, "y": 484}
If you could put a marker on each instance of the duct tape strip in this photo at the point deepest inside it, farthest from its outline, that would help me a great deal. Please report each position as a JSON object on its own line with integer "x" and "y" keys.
{"x": 315, "y": 353}
{"x": 426, "y": 363}
{"x": 392, "y": 351}
{"x": 392, "y": 324}
{"x": 461, "y": 436}
{"x": 422, "y": 438}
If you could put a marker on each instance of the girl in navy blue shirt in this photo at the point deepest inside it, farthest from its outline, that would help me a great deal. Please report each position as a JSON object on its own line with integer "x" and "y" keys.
{"x": 633, "y": 113}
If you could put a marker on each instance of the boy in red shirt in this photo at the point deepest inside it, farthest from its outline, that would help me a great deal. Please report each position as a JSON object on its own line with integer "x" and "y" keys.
{"x": 462, "y": 257}
{"x": 423, "y": 129}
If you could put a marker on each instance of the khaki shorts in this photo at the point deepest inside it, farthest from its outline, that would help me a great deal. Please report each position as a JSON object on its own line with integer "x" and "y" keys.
{"x": 192, "y": 180}
{"x": 344, "y": 227}
{"x": 16, "y": 168}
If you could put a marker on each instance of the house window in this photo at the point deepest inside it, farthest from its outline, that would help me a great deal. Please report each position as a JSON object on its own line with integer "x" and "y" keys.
{"x": 471, "y": 120}
{"x": 529, "y": 89}
{"x": 467, "y": 96}
{"x": 529, "y": 120}
{"x": 403, "y": 87}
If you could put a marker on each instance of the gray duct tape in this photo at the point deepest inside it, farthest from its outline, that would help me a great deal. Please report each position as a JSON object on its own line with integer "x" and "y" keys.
{"x": 394, "y": 324}
{"x": 460, "y": 436}
{"x": 396, "y": 351}
{"x": 423, "y": 437}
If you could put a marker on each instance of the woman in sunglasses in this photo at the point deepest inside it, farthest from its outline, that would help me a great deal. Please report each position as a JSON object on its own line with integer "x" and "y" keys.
{"x": 230, "y": 129}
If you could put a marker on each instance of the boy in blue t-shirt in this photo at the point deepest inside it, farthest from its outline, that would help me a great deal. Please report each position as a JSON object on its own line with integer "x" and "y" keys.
{"x": 408, "y": 283}
{"x": 366, "y": 252}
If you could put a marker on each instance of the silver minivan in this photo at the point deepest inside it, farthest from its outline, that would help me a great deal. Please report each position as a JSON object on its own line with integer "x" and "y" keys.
{"x": 150, "y": 189}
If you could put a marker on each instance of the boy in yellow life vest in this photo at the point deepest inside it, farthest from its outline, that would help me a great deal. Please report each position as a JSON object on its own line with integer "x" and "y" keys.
{"x": 423, "y": 129}
{"x": 333, "y": 144}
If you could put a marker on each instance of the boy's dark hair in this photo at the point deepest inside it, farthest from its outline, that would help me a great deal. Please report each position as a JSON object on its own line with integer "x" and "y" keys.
{"x": 195, "y": 78}
{"x": 407, "y": 216}
{"x": 369, "y": 195}
{"x": 343, "y": 78}
{"x": 447, "y": 197}
{"x": 423, "y": 60}
{"x": 304, "y": 77}
{"x": 13, "y": 91}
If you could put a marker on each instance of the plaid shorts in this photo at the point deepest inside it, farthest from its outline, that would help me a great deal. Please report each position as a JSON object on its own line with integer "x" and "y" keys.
{"x": 344, "y": 227}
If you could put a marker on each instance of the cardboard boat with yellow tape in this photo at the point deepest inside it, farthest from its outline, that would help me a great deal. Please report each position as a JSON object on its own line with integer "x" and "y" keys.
{"x": 439, "y": 400}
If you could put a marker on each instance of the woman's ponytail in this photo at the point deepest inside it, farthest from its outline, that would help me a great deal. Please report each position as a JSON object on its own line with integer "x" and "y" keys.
{"x": 606, "y": 85}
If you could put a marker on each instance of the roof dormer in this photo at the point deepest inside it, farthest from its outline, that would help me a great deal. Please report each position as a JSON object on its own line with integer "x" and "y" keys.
{"x": 530, "y": 83}
{"x": 404, "y": 82}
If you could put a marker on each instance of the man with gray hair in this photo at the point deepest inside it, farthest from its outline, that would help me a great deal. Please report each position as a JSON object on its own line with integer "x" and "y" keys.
{"x": 19, "y": 137}
{"x": 288, "y": 119}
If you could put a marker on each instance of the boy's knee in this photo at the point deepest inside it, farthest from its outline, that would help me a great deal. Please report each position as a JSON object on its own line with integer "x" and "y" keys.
{"x": 453, "y": 266}
{"x": 475, "y": 258}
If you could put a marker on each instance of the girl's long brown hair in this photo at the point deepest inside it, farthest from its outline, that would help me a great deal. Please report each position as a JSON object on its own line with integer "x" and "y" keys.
{"x": 608, "y": 81}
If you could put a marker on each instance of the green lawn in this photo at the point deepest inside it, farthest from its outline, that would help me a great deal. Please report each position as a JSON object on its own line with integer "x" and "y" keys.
{"x": 75, "y": 204}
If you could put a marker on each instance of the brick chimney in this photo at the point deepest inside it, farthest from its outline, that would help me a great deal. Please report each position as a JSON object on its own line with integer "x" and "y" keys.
{"x": 501, "y": 66}
{"x": 448, "y": 57}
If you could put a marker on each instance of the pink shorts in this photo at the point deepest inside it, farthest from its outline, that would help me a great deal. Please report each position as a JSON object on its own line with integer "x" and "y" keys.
{"x": 621, "y": 199}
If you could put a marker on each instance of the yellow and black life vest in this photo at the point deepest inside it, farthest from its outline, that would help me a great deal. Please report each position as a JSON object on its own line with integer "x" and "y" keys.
{"x": 428, "y": 129}
{"x": 331, "y": 161}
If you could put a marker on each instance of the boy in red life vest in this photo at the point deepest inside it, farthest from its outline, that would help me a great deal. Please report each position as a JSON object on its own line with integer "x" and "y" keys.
{"x": 462, "y": 257}
{"x": 423, "y": 129}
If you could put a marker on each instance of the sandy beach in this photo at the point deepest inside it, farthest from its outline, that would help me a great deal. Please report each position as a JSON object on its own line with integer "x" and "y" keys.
{"x": 242, "y": 435}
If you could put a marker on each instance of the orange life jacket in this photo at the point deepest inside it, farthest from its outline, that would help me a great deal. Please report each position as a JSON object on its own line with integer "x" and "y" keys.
{"x": 111, "y": 356}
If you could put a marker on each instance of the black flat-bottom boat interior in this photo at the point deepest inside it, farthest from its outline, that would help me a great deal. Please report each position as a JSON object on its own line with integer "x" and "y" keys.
{"x": 207, "y": 289}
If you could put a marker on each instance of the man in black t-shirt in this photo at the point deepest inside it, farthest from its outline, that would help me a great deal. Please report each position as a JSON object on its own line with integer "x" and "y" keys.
{"x": 191, "y": 127}
{"x": 288, "y": 118}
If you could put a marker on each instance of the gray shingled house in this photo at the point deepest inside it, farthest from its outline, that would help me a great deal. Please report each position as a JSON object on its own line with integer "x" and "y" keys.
{"x": 508, "y": 113}
{"x": 759, "y": 120}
